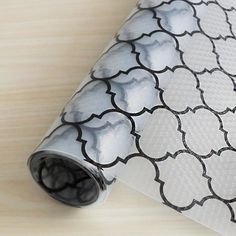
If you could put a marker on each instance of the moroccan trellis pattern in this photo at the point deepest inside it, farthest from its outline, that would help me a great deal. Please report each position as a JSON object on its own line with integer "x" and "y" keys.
{"x": 161, "y": 100}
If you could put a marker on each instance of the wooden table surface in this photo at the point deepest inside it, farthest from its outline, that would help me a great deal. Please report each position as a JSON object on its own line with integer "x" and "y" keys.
{"x": 46, "y": 49}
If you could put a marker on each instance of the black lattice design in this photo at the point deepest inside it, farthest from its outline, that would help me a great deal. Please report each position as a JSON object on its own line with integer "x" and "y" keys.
{"x": 142, "y": 59}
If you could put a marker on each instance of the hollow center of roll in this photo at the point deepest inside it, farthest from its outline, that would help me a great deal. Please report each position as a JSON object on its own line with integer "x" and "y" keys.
{"x": 65, "y": 180}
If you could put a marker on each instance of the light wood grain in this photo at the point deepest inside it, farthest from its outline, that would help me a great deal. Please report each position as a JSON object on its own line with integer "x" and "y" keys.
{"x": 46, "y": 49}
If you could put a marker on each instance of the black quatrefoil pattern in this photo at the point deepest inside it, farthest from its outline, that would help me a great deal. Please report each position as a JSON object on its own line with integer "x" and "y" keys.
{"x": 162, "y": 98}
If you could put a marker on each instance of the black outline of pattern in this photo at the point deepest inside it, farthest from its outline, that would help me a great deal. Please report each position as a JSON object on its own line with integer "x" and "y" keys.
{"x": 176, "y": 114}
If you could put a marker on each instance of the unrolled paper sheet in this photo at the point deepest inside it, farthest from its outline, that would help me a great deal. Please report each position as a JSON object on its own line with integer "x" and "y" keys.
{"x": 158, "y": 112}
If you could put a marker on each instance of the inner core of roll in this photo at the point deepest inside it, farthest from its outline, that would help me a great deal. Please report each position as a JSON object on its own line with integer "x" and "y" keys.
{"x": 64, "y": 179}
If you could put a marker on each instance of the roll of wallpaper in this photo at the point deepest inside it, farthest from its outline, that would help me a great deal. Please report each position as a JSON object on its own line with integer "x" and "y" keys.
{"x": 158, "y": 112}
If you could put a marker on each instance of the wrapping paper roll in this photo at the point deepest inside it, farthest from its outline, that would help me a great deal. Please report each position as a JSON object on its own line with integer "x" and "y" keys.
{"x": 158, "y": 112}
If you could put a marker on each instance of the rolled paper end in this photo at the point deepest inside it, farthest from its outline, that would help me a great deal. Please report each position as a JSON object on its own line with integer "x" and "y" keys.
{"x": 70, "y": 182}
